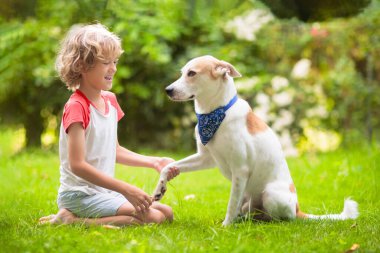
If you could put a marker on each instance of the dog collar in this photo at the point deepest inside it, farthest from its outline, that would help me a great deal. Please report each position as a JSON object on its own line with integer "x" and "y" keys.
{"x": 209, "y": 123}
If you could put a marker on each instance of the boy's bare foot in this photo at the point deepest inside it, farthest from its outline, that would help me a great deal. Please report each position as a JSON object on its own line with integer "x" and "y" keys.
{"x": 64, "y": 216}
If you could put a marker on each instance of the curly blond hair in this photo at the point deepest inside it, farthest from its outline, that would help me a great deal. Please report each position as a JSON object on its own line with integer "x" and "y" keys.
{"x": 81, "y": 48}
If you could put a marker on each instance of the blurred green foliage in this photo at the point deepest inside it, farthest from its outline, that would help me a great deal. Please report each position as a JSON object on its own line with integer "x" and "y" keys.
{"x": 160, "y": 36}
{"x": 316, "y": 10}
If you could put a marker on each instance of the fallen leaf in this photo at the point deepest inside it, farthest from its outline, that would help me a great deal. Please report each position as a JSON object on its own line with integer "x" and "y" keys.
{"x": 110, "y": 227}
{"x": 353, "y": 248}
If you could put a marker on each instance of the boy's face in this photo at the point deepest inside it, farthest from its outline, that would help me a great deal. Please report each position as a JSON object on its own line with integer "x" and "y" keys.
{"x": 101, "y": 75}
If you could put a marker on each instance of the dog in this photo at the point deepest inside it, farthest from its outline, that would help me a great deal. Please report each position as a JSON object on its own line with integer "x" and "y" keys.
{"x": 230, "y": 136}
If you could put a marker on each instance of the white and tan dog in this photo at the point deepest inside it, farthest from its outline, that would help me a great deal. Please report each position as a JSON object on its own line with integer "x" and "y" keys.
{"x": 230, "y": 136}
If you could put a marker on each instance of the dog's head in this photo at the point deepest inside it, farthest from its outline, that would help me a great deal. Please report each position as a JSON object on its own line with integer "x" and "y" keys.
{"x": 200, "y": 75}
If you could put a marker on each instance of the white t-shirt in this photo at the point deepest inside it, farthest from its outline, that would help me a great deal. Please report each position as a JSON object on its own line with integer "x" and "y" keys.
{"x": 100, "y": 139}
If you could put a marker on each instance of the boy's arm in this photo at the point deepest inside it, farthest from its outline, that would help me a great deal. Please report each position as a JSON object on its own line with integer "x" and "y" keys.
{"x": 76, "y": 149}
{"x": 130, "y": 158}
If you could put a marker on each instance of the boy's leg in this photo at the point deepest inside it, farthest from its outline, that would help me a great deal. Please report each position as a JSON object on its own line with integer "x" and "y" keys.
{"x": 104, "y": 205}
{"x": 165, "y": 209}
{"x": 151, "y": 215}
{"x": 64, "y": 216}
{"x": 126, "y": 215}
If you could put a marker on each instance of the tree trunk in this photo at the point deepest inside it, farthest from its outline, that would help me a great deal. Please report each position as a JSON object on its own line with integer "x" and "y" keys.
{"x": 34, "y": 128}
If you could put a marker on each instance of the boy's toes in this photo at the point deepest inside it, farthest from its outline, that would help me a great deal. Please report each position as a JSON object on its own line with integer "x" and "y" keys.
{"x": 64, "y": 216}
{"x": 49, "y": 217}
{"x": 46, "y": 219}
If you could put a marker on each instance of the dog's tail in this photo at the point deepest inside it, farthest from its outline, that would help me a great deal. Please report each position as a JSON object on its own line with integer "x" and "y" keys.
{"x": 350, "y": 211}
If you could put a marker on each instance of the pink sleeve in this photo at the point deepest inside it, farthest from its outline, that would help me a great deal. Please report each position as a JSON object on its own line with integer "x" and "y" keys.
{"x": 74, "y": 112}
{"x": 112, "y": 97}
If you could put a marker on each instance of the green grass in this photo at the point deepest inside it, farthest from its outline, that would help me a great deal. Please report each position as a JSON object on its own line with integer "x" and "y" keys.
{"x": 29, "y": 183}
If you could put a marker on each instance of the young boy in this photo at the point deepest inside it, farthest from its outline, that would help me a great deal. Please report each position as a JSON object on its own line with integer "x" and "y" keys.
{"x": 88, "y": 142}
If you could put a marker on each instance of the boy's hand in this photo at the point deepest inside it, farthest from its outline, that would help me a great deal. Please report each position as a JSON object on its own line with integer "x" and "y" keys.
{"x": 173, "y": 172}
{"x": 138, "y": 198}
{"x": 162, "y": 162}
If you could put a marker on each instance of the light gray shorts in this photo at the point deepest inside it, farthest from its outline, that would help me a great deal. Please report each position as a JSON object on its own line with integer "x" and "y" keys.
{"x": 91, "y": 206}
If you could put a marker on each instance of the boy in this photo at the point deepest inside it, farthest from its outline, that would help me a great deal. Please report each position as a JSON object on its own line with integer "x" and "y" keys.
{"x": 88, "y": 144}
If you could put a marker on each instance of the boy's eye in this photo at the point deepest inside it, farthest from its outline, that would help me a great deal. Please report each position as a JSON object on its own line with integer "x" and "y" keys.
{"x": 109, "y": 62}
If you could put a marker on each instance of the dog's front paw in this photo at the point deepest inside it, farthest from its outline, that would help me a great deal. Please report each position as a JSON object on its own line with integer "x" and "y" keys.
{"x": 160, "y": 190}
{"x": 226, "y": 223}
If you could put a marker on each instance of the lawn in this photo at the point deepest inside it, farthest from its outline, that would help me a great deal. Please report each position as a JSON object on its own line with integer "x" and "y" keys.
{"x": 29, "y": 182}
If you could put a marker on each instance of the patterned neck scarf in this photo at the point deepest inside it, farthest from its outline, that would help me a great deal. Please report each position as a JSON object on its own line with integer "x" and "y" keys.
{"x": 209, "y": 123}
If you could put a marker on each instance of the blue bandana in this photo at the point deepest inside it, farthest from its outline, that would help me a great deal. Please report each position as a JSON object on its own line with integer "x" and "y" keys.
{"x": 209, "y": 123}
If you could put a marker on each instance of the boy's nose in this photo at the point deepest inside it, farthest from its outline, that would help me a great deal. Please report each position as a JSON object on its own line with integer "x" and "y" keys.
{"x": 113, "y": 68}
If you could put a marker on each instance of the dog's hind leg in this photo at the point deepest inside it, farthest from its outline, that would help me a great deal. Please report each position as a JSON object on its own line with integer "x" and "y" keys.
{"x": 254, "y": 213}
{"x": 278, "y": 201}
{"x": 254, "y": 210}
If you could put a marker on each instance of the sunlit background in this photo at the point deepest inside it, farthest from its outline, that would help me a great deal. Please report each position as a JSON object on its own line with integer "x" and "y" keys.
{"x": 310, "y": 68}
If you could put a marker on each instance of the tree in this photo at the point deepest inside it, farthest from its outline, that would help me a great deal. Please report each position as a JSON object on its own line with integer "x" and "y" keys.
{"x": 316, "y": 10}
{"x": 30, "y": 89}
{"x": 160, "y": 36}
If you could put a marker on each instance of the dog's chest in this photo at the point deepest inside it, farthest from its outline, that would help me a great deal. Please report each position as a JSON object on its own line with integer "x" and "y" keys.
{"x": 230, "y": 144}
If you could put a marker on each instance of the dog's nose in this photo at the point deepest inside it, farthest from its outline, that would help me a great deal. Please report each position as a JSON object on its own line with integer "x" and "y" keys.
{"x": 169, "y": 91}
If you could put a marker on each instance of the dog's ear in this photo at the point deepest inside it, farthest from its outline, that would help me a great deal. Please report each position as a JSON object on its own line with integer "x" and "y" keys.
{"x": 223, "y": 68}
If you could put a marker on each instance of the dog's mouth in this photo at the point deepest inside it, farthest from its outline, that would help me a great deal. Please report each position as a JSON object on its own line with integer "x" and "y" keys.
{"x": 174, "y": 98}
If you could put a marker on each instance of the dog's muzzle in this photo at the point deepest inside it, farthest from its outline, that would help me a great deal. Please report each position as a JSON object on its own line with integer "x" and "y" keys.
{"x": 169, "y": 91}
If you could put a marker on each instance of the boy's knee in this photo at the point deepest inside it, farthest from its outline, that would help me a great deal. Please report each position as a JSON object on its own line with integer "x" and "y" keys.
{"x": 155, "y": 216}
{"x": 168, "y": 212}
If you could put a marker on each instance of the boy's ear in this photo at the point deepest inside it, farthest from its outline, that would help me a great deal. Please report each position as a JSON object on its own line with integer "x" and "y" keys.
{"x": 223, "y": 68}
{"x": 81, "y": 66}
{"x": 78, "y": 66}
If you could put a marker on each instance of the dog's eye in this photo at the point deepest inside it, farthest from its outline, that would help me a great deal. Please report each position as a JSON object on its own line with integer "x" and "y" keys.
{"x": 191, "y": 73}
